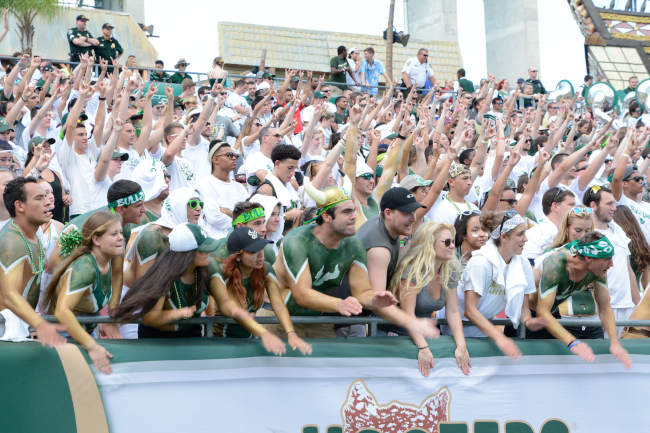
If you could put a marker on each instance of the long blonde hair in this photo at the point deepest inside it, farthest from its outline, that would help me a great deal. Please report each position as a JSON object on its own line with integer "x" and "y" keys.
{"x": 420, "y": 255}
{"x": 562, "y": 236}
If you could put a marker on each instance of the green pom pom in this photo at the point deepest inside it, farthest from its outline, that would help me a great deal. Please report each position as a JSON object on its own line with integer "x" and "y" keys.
{"x": 69, "y": 241}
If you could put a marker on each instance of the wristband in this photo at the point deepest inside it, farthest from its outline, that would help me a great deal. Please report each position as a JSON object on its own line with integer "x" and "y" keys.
{"x": 102, "y": 99}
{"x": 24, "y": 100}
{"x": 485, "y": 141}
{"x": 400, "y": 136}
{"x": 626, "y": 155}
{"x": 422, "y": 348}
{"x": 211, "y": 96}
{"x": 573, "y": 343}
{"x": 291, "y": 332}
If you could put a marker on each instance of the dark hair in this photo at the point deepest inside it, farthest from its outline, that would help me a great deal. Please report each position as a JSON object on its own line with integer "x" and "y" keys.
{"x": 243, "y": 207}
{"x": 203, "y": 90}
{"x": 159, "y": 62}
{"x": 639, "y": 248}
{"x": 520, "y": 183}
{"x": 539, "y": 141}
{"x": 338, "y": 99}
{"x": 588, "y": 77}
{"x": 460, "y": 225}
{"x": 461, "y": 72}
{"x": 428, "y": 151}
{"x": 306, "y": 215}
{"x": 158, "y": 282}
{"x": 341, "y": 49}
{"x": 334, "y": 139}
{"x": 588, "y": 238}
{"x": 330, "y": 212}
{"x": 594, "y": 196}
{"x": 370, "y": 50}
{"x": 71, "y": 103}
{"x": 239, "y": 83}
{"x": 632, "y": 108}
{"x": 464, "y": 155}
{"x": 256, "y": 101}
{"x": 285, "y": 151}
{"x": 558, "y": 159}
{"x": 554, "y": 195}
{"x": 15, "y": 191}
{"x": 122, "y": 188}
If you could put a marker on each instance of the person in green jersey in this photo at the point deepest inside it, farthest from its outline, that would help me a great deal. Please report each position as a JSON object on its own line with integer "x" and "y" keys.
{"x": 241, "y": 281}
{"x": 81, "y": 286}
{"x": 565, "y": 273}
{"x": 22, "y": 257}
{"x": 315, "y": 258}
{"x": 174, "y": 288}
{"x": 160, "y": 75}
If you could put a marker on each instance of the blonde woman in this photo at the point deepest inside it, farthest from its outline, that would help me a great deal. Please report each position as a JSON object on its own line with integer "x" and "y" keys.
{"x": 132, "y": 63}
{"x": 218, "y": 74}
{"x": 425, "y": 281}
{"x": 575, "y": 223}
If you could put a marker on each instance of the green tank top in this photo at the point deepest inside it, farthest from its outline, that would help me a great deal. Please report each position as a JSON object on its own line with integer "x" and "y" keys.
{"x": 183, "y": 295}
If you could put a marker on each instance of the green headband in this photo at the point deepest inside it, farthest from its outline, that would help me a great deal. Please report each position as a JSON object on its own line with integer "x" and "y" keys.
{"x": 125, "y": 201}
{"x": 324, "y": 209}
{"x": 599, "y": 249}
{"x": 249, "y": 216}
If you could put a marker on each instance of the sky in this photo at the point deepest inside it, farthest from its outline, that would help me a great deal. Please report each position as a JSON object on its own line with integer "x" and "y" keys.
{"x": 192, "y": 33}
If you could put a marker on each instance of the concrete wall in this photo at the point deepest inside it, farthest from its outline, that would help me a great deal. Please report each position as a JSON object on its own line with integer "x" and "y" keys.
{"x": 432, "y": 20}
{"x": 512, "y": 39}
{"x": 135, "y": 8}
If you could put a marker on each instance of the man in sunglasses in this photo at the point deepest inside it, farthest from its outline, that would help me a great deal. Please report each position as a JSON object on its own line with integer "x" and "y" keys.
{"x": 538, "y": 87}
{"x": 627, "y": 186}
{"x": 219, "y": 191}
{"x": 416, "y": 71}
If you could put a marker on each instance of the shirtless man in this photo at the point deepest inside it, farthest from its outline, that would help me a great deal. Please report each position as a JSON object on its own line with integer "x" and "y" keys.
{"x": 316, "y": 257}
{"x": 23, "y": 257}
{"x": 565, "y": 273}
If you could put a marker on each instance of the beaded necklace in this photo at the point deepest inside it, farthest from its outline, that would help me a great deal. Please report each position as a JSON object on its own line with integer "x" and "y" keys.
{"x": 178, "y": 298}
{"x": 31, "y": 256}
{"x": 457, "y": 209}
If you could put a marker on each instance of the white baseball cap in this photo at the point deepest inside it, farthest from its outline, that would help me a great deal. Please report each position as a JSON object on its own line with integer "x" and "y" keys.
{"x": 188, "y": 237}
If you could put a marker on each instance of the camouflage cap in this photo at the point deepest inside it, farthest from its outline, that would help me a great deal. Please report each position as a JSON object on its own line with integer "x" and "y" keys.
{"x": 457, "y": 170}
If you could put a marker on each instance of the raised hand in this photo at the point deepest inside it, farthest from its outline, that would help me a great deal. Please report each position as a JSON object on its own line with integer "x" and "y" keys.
{"x": 152, "y": 91}
{"x": 118, "y": 124}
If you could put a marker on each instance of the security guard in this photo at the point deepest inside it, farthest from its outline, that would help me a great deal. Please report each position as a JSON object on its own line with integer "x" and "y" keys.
{"x": 80, "y": 40}
{"x": 108, "y": 46}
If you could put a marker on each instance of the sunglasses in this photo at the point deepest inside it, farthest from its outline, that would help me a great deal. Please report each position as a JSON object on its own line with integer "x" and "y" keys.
{"x": 510, "y": 214}
{"x": 256, "y": 124}
{"x": 511, "y": 201}
{"x": 560, "y": 189}
{"x": 471, "y": 212}
{"x": 195, "y": 203}
{"x": 582, "y": 209}
{"x": 448, "y": 242}
{"x": 231, "y": 155}
{"x": 276, "y": 135}
{"x": 636, "y": 179}
{"x": 367, "y": 176}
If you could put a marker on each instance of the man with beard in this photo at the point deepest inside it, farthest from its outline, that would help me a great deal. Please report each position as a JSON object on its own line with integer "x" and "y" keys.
{"x": 23, "y": 257}
{"x": 316, "y": 257}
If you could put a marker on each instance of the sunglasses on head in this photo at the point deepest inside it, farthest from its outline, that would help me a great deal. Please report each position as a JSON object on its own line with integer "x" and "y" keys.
{"x": 560, "y": 189}
{"x": 471, "y": 212}
{"x": 510, "y": 214}
{"x": 367, "y": 176}
{"x": 194, "y": 203}
{"x": 448, "y": 242}
{"x": 582, "y": 209}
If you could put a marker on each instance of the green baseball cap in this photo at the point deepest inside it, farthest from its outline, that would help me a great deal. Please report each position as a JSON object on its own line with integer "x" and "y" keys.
{"x": 38, "y": 140}
{"x": 156, "y": 101}
{"x": 267, "y": 75}
{"x": 4, "y": 125}
{"x": 82, "y": 118}
{"x": 295, "y": 79}
{"x": 116, "y": 154}
{"x": 319, "y": 95}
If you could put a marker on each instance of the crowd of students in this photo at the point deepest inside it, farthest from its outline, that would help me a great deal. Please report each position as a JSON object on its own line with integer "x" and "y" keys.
{"x": 249, "y": 200}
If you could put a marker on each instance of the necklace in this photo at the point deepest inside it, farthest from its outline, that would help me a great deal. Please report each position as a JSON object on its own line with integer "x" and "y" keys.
{"x": 31, "y": 256}
{"x": 178, "y": 298}
{"x": 573, "y": 283}
{"x": 457, "y": 209}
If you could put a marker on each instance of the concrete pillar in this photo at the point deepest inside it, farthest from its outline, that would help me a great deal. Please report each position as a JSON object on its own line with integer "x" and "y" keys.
{"x": 432, "y": 20}
{"x": 512, "y": 39}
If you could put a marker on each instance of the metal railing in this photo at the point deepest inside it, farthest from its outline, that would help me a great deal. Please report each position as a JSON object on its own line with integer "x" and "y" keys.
{"x": 337, "y": 320}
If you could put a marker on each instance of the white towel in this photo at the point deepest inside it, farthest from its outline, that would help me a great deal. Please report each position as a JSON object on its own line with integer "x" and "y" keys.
{"x": 16, "y": 329}
{"x": 513, "y": 284}
{"x": 284, "y": 191}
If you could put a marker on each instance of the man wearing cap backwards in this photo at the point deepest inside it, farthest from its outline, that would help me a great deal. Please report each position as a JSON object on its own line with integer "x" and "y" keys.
{"x": 307, "y": 113}
{"x": 179, "y": 76}
{"x": 109, "y": 48}
{"x": 23, "y": 257}
{"x": 565, "y": 273}
{"x": 80, "y": 40}
{"x": 220, "y": 193}
{"x": 627, "y": 185}
{"x": 621, "y": 283}
{"x": 454, "y": 203}
{"x": 316, "y": 257}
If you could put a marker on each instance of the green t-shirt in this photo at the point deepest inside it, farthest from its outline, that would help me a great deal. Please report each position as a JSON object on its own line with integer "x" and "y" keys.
{"x": 555, "y": 278}
{"x": 327, "y": 266}
{"x": 221, "y": 253}
{"x": 340, "y": 118}
{"x": 466, "y": 85}
{"x": 84, "y": 276}
{"x": 339, "y": 64}
{"x": 237, "y": 331}
{"x": 13, "y": 251}
{"x": 177, "y": 78}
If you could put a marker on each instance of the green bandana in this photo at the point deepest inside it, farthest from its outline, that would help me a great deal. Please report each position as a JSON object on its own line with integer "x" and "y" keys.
{"x": 249, "y": 216}
{"x": 125, "y": 201}
{"x": 600, "y": 249}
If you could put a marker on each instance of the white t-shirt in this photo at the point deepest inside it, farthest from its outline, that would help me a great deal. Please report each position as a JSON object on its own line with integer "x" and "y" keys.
{"x": 255, "y": 162}
{"x": 357, "y": 75}
{"x": 618, "y": 277}
{"x": 493, "y": 298}
{"x": 79, "y": 169}
{"x": 217, "y": 194}
{"x": 307, "y": 114}
{"x": 98, "y": 192}
{"x": 539, "y": 237}
{"x": 641, "y": 211}
{"x": 525, "y": 164}
{"x": 198, "y": 157}
{"x": 447, "y": 211}
{"x": 417, "y": 71}
{"x": 182, "y": 174}
{"x": 235, "y": 100}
